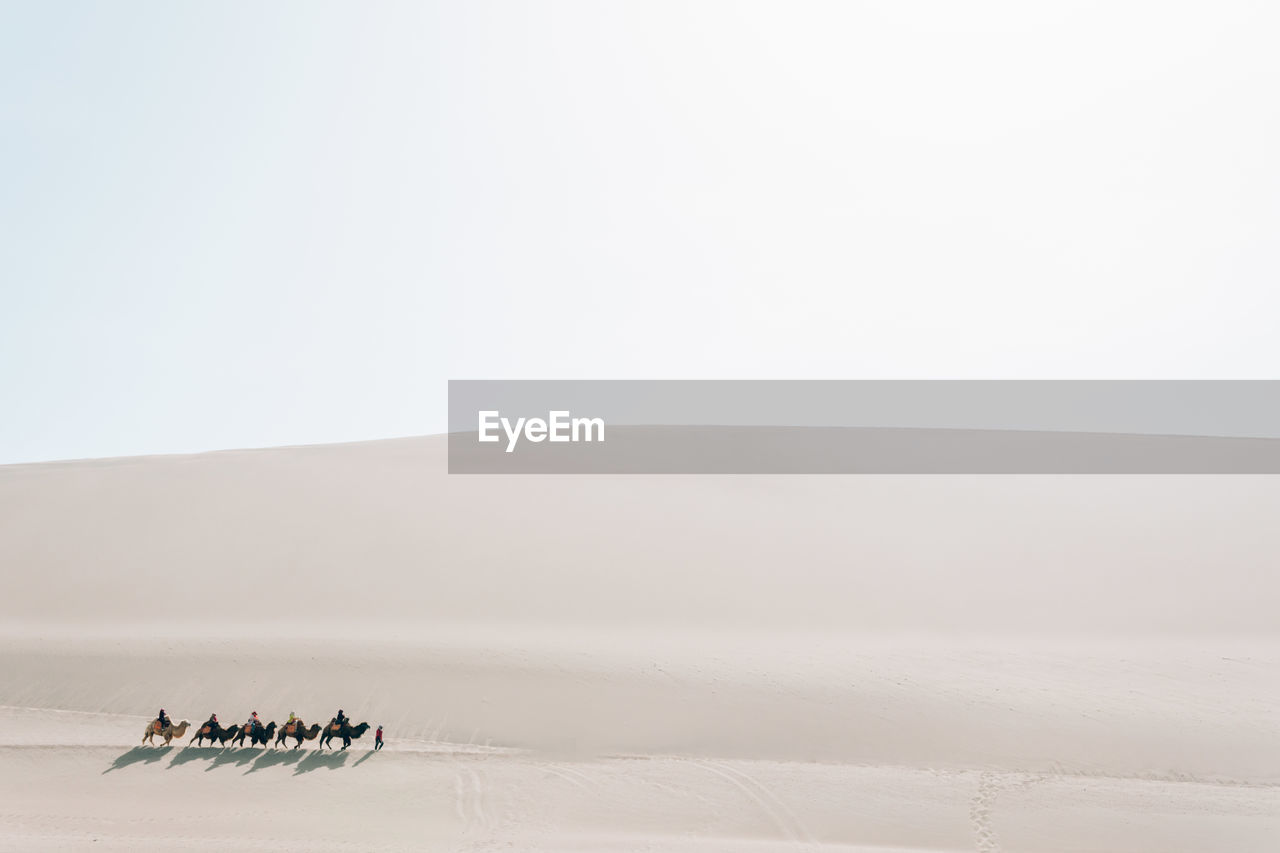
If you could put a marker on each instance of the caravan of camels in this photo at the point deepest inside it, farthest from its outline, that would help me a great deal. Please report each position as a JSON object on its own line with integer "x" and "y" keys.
{"x": 257, "y": 732}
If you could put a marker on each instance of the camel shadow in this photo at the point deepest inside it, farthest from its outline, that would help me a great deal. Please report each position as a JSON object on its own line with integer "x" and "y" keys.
{"x": 274, "y": 758}
{"x": 362, "y": 759}
{"x": 138, "y": 755}
{"x": 193, "y": 753}
{"x": 316, "y": 760}
{"x": 236, "y": 757}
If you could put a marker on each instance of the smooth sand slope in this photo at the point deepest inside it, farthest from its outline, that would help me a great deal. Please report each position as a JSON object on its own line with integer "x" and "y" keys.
{"x": 621, "y": 663}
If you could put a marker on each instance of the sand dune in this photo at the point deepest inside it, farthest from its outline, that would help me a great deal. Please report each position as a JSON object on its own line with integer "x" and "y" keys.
{"x": 619, "y": 663}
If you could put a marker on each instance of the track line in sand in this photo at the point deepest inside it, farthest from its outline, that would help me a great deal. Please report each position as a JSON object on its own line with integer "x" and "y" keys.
{"x": 984, "y": 834}
{"x": 459, "y": 797}
{"x": 469, "y": 797}
{"x": 572, "y": 777}
{"x": 782, "y": 817}
{"x": 469, "y": 804}
{"x": 477, "y": 787}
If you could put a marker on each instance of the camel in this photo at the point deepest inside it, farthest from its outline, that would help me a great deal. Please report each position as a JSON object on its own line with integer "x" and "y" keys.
{"x": 227, "y": 734}
{"x": 263, "y": 735}
{"x": 346, "y": 731}
{"x": 259, "y": 735}
{"x": 212, "y": 732}
{"x": 168, "y": 732}
{"x": 298, "y": 731}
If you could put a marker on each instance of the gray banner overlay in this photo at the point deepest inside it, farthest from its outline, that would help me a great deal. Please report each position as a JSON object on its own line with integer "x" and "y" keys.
{"x": 850, "y": 427}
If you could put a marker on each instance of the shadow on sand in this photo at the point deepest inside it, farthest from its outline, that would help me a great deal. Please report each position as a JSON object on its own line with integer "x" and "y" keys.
{"x": 257, "y": 759}
{"x": 316, "y": 760}
{"x": 275, "y": 758}
{"x": 194, "y": 753}
{"x": 139, "y": 755}
{"x": 233, "y": 756}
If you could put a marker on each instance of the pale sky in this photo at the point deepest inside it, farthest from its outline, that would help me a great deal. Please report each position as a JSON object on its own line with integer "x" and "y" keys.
{"x": 254, "y": 224}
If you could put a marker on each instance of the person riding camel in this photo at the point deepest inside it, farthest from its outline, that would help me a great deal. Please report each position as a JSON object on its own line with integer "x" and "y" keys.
{"x": 342, "y": 719}
{"x": 291, "y": 722}
{"x": 253, "y": 722}
{"x": 211, "y": 723}
{"x": 163, "y": 719}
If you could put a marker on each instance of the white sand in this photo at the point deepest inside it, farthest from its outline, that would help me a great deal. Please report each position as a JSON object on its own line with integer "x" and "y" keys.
{"x": 622, "y": 663}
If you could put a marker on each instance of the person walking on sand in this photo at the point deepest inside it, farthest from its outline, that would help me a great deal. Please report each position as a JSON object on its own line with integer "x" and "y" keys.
{"x": 377, "y": 738}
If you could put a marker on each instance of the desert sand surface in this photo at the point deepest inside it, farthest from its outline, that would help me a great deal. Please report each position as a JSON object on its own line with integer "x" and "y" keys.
{"x": 634, "y": 662}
